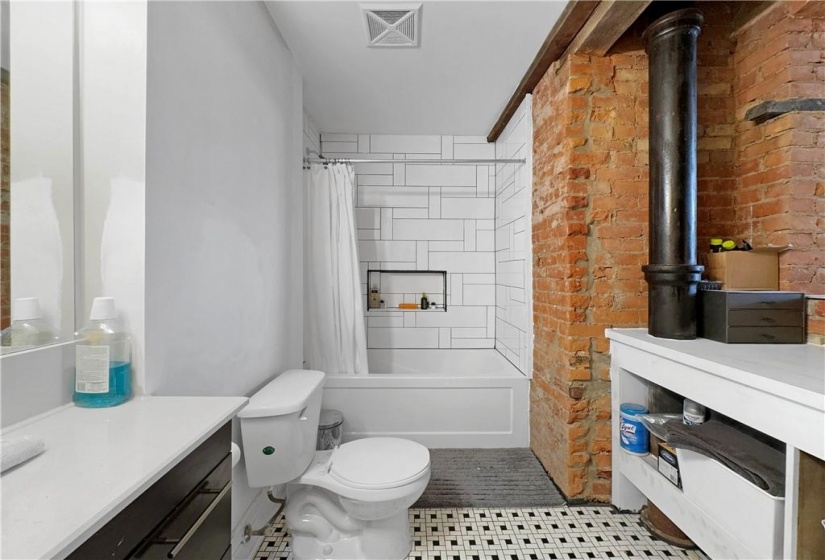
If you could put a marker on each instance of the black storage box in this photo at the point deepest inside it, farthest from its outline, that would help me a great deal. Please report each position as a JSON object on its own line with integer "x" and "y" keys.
{"x": 752, "y": 317}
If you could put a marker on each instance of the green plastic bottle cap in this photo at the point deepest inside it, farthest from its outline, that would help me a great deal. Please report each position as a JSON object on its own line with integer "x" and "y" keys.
{"x": 728, "y": 245}
{"x": 716, "y": 241}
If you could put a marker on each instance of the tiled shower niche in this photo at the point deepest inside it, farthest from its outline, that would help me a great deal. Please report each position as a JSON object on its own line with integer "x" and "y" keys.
{"x": 396, "y": 288}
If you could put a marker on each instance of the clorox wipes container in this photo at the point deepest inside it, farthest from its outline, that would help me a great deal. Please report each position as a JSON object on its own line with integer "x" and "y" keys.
{"x": 633, "y": 434}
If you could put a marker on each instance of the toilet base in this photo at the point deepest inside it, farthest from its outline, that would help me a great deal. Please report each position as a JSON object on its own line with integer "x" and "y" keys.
{"x": 385, "y": 539}
{"x": 322, "y": 529}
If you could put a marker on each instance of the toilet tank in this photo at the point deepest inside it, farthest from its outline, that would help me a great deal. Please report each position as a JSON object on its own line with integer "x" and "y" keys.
{"x": 279, "y": 427}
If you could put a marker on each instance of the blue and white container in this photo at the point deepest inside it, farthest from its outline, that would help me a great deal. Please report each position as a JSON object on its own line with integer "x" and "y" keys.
{"x": 633, "y": 434}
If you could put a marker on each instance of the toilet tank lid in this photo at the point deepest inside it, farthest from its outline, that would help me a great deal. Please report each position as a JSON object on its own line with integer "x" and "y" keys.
{"x": 286, "y": 394}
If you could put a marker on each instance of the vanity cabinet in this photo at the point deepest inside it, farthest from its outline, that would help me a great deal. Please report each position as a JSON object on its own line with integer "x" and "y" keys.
{"x": 123, "y": 482}
{"x": 776, "y": 390}
{"x": 186, "y": 514}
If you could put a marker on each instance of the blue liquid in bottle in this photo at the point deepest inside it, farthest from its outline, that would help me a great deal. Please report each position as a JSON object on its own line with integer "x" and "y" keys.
{"x": 103, "y": 371}
{"x": 120, "y": 388}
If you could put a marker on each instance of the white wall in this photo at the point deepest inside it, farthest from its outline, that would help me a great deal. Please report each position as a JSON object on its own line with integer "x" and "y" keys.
{"x": 113, "y": 131}
{"x": 425, "y": 217}
{"x": 514, "y": 266}
{"x": 223, "y": 205}
{"x": 42, "y": 165}
{"x": 4, "y": 39}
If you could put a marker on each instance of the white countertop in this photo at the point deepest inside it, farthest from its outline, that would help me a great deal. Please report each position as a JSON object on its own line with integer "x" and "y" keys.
{"x": 95, "y": 463}
{"x": 793, "y": 371}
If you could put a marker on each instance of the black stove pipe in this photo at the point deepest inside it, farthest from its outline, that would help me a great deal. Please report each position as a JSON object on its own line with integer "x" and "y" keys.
{"x": 673, "y": 273}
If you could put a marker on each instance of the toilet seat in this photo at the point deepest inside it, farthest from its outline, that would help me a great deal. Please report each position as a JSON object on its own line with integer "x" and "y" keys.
{"x": 379, "y": 463}
{"x": 364, "y": 469}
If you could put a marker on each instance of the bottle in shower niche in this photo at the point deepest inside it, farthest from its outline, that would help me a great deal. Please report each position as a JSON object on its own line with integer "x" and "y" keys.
{"x": 425, "y": 302}
{"x": 375, "y": 299}
{"x": 103, "y": 369}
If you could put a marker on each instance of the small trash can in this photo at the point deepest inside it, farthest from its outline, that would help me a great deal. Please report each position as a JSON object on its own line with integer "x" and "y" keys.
{"x": 329, "y": 429}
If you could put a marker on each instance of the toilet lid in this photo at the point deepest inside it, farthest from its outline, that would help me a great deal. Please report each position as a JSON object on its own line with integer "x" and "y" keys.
{"x": 377, "y": 463}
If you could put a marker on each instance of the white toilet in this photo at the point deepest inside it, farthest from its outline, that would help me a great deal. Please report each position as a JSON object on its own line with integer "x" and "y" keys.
{"x": 350, "y": 502}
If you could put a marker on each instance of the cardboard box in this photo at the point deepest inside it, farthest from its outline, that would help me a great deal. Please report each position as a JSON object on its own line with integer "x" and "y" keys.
{"x": 669, "y": 464}
{"x": 745, "y": 270}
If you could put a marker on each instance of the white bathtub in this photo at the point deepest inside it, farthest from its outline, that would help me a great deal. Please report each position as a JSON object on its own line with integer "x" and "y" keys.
{"x": 440, "y": 398}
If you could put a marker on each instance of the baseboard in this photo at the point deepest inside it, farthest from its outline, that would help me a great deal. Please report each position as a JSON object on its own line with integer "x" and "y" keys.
{"x": 259, "y": 512}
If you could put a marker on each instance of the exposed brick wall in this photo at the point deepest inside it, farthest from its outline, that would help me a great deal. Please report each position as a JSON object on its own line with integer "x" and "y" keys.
{"x": 816, "y": 321}
{"x": 715, "y": 156}
{"x": 590, "y": 225}
{"x": 589, "y": 234}
{"x": 558, "y": 242}
{"x": 780, "y": 172}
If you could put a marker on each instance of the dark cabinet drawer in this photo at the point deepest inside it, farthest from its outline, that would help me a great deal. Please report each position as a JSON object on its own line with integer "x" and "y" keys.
{"x": 199, "y": 529}
{"x": 752, "y": 317}
{"x": 758, "y": 300}
{"x": 121, "y": 537}
{"x": 764, "y": 318}
{"x": 764, "y": 335}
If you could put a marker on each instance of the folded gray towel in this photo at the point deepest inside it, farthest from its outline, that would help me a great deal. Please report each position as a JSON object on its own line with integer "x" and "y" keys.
{"x": 14, "y": 451}
{"x": 751, "y": 459}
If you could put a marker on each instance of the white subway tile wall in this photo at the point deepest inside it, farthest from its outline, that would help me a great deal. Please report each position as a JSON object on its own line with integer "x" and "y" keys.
{"x": 513, "y": 243}
{"x": 426, "y": 217}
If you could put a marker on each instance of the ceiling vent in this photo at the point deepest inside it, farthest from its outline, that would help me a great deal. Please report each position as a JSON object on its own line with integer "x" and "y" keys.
{"x": 392, "y": 25}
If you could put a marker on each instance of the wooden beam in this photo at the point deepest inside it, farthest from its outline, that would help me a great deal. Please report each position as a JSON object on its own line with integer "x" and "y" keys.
{"x": 609, "y": 21}
{"x": 744, "y": 12}
{"x": 566, "y": 28}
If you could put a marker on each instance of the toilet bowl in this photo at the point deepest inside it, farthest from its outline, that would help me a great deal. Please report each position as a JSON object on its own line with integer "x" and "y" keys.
{"x": 352, "y": 502}
{"x": 346, "y": 503}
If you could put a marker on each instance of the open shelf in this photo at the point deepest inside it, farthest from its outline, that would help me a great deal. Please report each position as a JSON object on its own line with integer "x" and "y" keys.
{"x": 398, "y": 310}
{"x": 406, "y": 286}
{"x": 643, "y": 473}
{"x": 740, "y": 382}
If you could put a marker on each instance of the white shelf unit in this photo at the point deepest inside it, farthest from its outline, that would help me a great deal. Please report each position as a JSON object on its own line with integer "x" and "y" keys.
{"x": 778, "y": 390}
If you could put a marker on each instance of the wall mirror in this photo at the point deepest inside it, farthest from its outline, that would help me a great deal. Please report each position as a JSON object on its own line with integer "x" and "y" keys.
{"x": 38, "y": 169}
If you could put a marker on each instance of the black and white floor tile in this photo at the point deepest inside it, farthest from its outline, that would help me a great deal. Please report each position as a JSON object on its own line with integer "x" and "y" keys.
{"x": 557, "y": 533}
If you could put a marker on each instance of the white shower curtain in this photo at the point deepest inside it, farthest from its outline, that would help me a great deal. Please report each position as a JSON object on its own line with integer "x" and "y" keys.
{"x": 335, "y": 339}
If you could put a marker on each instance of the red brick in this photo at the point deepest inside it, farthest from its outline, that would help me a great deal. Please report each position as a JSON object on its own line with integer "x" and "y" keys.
{"x": 758, "y": 182}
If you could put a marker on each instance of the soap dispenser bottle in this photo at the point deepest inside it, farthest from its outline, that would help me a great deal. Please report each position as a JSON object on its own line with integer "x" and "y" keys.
{"x": 103, "y": 369}
{"x": 425, "y": 303}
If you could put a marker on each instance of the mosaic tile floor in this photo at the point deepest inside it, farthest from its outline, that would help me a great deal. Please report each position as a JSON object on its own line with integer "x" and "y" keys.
{"x": 559, "y": 533}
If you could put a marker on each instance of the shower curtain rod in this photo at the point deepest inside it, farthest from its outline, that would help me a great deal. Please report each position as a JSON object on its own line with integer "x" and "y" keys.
{"x": 413, "y": 161}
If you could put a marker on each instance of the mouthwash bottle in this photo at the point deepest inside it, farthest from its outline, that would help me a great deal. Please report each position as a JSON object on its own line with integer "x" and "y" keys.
{"x": 28, "y": 328}
{"x": 103, "y": 370}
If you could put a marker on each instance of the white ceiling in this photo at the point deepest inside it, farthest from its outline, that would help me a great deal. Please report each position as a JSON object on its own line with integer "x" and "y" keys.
{"x": 472, "y": 57}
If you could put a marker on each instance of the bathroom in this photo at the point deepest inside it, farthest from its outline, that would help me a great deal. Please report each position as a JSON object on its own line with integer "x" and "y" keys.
{"x": 177, "y": 132}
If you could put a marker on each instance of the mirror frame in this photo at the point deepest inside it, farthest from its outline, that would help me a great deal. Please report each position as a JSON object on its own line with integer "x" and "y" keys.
{"x": 71, "y": 266}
